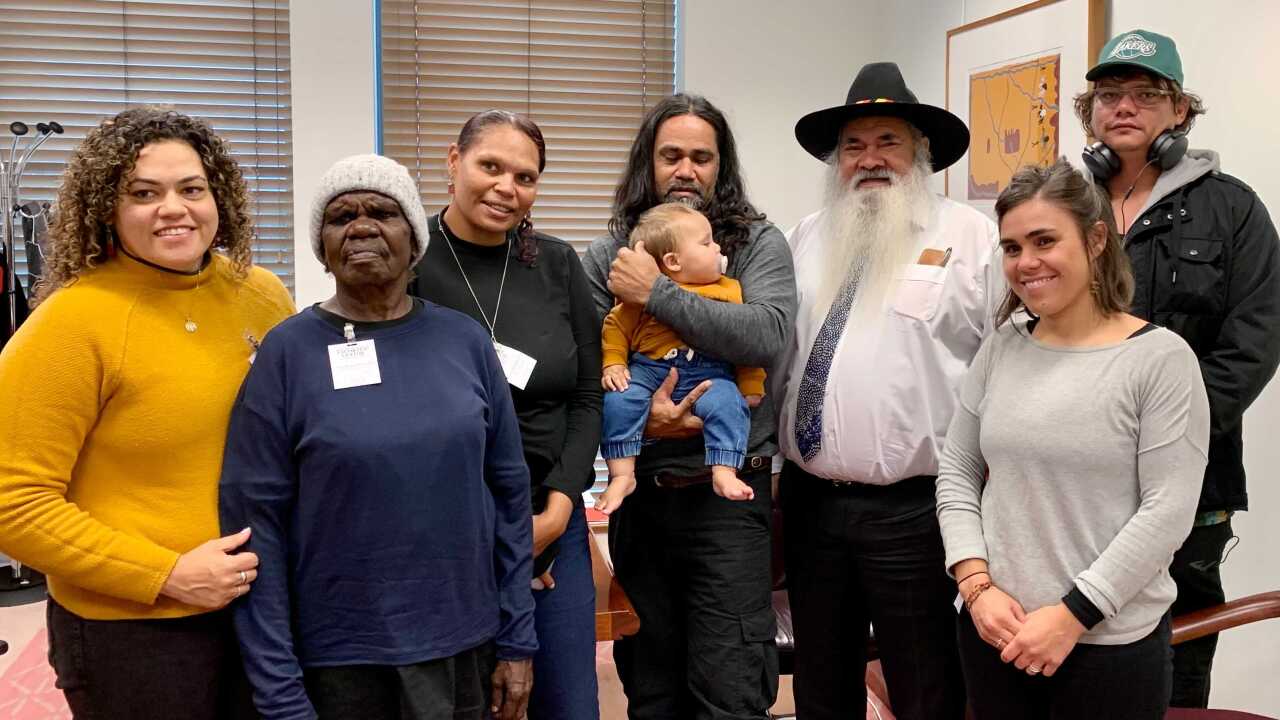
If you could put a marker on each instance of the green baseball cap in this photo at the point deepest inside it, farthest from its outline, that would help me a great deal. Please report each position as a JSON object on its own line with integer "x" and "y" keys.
{"x": 1141, "y": 49}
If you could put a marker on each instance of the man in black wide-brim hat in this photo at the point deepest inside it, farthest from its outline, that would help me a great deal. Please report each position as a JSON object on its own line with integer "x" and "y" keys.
{"x": 897, "y": 289}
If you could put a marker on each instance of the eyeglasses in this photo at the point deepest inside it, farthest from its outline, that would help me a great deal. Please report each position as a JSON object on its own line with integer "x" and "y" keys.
{"x": 1142, "y": 96}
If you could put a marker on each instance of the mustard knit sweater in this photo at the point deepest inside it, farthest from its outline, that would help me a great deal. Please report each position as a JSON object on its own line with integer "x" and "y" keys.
{"x": 112, "y": 424}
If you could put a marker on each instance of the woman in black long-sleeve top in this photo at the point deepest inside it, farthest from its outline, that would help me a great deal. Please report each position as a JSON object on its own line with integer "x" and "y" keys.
{"x": 529, "y": 291}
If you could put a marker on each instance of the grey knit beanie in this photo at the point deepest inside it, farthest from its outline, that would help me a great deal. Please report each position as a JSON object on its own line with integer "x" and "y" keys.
{"x": 379, "y": 174}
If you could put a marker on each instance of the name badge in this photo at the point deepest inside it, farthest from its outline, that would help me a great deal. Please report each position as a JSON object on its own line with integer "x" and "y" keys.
{"x": 517, "y": 366}
{"x": 354, "y": 364}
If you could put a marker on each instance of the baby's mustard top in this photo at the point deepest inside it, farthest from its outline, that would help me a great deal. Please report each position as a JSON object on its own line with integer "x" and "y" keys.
{"x": 628, "y": 328}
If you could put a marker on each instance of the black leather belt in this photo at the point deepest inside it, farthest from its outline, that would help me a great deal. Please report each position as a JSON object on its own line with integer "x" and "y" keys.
{"x": 675, "y": 482}
{"x": 917, "y": 485}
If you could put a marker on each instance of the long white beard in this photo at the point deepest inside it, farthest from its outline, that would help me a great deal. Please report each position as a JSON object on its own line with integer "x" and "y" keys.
{"x": 871, "y": 231}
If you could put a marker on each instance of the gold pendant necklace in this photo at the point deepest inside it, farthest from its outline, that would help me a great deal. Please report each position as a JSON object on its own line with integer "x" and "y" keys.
{"x": 191, "y": 325}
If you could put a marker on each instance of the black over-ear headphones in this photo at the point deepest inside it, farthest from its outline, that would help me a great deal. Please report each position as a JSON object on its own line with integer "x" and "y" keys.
{"x": 1167, "y": 149}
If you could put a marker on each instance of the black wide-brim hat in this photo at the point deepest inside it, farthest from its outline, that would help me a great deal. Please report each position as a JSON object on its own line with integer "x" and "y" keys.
{"x": 879, "y": 90}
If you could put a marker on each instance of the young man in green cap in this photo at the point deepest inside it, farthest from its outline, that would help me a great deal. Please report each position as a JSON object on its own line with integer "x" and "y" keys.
{"x": 1206, "y": 261}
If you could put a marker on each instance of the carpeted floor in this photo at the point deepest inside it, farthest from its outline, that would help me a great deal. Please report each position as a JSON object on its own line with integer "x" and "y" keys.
{"x": 26, "y": 685}
{"x": 27, "y": 691}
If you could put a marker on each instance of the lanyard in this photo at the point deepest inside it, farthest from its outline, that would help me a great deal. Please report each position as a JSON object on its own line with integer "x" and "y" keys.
{"x": 501, "y": 284}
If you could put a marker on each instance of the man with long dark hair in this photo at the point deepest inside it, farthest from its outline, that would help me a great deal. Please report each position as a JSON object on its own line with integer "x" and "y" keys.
{"x": 695, "y": 565}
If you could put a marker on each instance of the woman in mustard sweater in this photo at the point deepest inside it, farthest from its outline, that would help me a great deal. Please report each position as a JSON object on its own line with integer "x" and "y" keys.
{"x": 117, "y": 393}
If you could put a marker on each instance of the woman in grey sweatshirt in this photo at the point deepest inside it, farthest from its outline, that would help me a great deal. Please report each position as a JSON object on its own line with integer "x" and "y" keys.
{"x": 1071, "y": 472}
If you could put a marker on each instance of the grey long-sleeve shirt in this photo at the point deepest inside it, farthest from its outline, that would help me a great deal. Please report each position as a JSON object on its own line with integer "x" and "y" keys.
{"x": 1095, "y": 457}
{"x": 751, "y": 334}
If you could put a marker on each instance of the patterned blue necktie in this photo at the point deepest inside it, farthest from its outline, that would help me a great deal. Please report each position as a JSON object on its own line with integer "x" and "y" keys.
{"x": 813, "y": 385}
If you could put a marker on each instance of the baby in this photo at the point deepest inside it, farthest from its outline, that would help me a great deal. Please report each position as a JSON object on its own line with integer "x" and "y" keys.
{"x": 679, "y": 239}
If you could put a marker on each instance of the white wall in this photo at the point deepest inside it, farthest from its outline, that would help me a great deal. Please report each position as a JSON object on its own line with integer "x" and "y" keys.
{"x": 1225, "y": 51}
{"x": 331, "y": 50}
{"x": 913, "y": 29}
{"x": 765, "y": 64}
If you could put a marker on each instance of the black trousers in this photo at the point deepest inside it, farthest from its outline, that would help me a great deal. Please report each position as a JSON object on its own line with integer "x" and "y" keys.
{"x": 1196, "y": 571}
{"x": 149, "y": 669}
{"x": 452, "y": 688}
{"x": 696, "y": 568}
{"x": 1099, "y": 682}
{"x": 860, "y": 556}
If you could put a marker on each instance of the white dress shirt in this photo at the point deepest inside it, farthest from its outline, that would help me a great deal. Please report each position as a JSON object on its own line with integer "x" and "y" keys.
{"x": 893, "y": 383}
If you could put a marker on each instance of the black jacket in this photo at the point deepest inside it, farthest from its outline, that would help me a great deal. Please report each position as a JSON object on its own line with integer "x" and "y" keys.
{"x": 1206, "y": 261}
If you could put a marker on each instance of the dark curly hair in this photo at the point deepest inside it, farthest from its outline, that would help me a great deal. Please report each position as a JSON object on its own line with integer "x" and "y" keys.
{"x": 728, "y": 210}
{"x": 79, "y": 234}
{"x": 526, "y": 241}
{"x": 1195, "y": 106}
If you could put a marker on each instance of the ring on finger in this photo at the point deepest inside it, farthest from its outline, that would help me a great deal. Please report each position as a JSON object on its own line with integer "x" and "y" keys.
{"x": 244, "y": 579}
{"x": 1033, "y": 670}
{"x": 1000, "y": 643}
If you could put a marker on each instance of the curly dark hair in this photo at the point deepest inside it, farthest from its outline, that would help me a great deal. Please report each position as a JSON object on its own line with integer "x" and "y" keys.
{"x": 526, "y": 241}
{"x": 1195, "y": 106}
{"x": 728, "y": 209}
{"x": 80, "y": 231}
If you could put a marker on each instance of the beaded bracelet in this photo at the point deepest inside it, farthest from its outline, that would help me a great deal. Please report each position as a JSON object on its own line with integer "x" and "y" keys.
{"x": 974, "y": 593}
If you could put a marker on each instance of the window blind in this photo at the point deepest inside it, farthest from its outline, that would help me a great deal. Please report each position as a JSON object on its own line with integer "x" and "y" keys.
{"x": 585, "y": 71}
{"x": 226, "y": 61}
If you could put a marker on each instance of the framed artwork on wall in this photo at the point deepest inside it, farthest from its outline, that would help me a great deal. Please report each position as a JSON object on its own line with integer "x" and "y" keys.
{"x": 1012, "y": 78}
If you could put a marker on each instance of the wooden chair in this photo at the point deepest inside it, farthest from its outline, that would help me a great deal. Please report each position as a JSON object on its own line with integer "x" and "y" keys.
{"x": 615, "y": 618}
{"x": 1251, "y": 609}
{"x": 1186, "y": 714}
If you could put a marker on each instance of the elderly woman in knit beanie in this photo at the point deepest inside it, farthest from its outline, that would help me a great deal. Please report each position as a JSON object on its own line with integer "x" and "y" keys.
{"x": 376, "y": 455}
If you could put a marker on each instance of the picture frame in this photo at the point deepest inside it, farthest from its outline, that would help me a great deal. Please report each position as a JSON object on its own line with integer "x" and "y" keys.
{"x": 1012, "y": 77}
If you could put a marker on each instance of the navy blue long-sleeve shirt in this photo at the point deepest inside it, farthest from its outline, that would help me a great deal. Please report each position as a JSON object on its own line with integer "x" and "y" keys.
{"x": 391, "y": 521}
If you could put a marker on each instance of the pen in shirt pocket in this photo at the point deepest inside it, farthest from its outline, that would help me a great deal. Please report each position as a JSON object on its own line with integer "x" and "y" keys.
{"x": 946, "y": 256}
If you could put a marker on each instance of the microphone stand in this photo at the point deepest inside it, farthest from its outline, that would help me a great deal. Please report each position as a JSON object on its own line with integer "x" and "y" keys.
{"x": 10, "y": 199}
